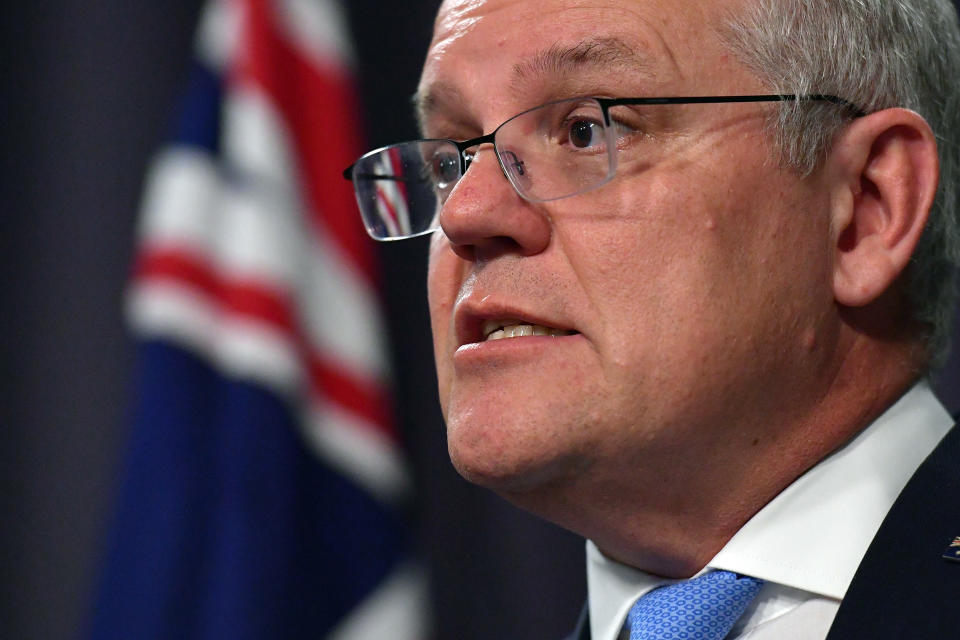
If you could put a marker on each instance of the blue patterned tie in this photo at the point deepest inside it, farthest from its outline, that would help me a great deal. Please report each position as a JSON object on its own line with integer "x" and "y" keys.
{"x": 704, "y": 608}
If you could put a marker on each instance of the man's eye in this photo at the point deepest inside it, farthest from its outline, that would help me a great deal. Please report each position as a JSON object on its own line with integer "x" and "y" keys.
{"x": 445, "y": 168}
{"x": 585, "y": 134}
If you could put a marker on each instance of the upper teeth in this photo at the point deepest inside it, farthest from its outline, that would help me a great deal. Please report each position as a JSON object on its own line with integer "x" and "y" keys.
{"x": 496, "y": 330}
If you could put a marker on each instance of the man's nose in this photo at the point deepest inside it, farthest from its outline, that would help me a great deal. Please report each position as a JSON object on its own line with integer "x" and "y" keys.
{"x": 485, "y": 216}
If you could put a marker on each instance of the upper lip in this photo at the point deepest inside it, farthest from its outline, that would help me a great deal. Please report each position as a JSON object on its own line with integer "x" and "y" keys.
{"x": 469, "y": 319}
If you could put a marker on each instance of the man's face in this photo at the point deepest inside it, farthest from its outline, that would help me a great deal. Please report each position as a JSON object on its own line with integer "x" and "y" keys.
{"x": 690, "y": 290}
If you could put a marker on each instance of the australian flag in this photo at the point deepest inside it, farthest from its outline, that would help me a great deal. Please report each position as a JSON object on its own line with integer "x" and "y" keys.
{"x": 262, "y": 490}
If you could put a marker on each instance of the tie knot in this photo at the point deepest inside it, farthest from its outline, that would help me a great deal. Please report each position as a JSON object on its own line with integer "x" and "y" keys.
{"x": 704, "y": 608}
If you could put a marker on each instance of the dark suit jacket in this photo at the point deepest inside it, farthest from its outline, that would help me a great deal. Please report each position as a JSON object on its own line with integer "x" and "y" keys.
{"x": 904, "y": 588}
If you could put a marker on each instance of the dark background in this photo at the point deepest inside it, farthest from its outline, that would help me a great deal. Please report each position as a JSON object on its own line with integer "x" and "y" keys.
{"x": 87, "y": 92}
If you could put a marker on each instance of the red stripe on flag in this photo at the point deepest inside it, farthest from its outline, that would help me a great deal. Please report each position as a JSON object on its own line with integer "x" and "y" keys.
{"x": 363, "y": 397}
{"x": 330, "y": 382}
{"x": 244, "y": 298}
{"x": 387, "y": 204}
{"x": 321, "y": 112}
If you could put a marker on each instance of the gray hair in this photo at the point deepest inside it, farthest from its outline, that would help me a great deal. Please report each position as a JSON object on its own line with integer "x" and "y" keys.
{"x": 877, "y": 54}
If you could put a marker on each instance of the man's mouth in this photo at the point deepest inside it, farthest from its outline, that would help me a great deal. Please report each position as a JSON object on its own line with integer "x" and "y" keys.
{"x": 500, "y": 329}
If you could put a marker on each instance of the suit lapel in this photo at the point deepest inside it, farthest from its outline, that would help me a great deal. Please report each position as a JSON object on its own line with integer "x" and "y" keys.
{"x": 904, "y": 588}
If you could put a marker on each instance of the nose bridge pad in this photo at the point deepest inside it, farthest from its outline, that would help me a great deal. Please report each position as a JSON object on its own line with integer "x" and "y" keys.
{"x": 513, "y": 163}
{"x": 469, "y": 157}
{"x": 516, "y": 171}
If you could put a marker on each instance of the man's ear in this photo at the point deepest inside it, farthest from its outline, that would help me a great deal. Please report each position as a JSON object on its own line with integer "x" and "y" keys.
{"x": 884, "y": 173}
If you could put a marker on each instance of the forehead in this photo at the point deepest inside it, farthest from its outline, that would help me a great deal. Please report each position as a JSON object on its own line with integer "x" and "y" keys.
{"x": 500, "y": 49}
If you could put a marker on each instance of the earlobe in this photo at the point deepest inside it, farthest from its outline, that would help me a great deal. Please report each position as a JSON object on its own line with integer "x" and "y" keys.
{"x": 886, "y": 178}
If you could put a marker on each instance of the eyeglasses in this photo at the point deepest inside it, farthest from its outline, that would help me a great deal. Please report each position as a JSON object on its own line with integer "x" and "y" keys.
{"x": 556, "y": 150}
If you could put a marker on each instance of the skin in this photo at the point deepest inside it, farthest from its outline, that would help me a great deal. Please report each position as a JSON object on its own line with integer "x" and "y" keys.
{"x": 727, "y": 333}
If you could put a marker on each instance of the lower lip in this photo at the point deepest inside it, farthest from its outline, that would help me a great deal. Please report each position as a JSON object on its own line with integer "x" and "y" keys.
{"x": 512, "y": 348}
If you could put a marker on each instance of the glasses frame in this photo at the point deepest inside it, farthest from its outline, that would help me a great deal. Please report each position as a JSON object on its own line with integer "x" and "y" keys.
{"x": 605, "y": 105}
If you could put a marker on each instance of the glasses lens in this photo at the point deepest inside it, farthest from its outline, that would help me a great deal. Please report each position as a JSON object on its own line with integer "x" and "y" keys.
{"x": 557, "y": 150}
{"x": 400, "y": 188}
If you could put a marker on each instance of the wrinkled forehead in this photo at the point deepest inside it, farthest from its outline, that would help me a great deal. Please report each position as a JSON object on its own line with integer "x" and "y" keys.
{"x": 523, "y": 51}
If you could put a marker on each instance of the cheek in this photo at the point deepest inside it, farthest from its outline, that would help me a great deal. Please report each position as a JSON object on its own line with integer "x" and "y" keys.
{"x": 443, "y": 286}
{"x": 645, "y": 247}
{"x": 705, "y": 259}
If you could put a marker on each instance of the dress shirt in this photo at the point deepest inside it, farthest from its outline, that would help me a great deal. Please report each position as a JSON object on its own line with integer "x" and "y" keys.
{"x": 808, "y": 541}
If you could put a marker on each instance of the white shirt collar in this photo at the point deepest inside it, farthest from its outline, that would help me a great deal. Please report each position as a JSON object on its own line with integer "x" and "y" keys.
{"x": 813, "y": 535}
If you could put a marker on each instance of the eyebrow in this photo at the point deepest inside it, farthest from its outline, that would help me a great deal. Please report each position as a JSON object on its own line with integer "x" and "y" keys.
{"x": 606, "y": 54}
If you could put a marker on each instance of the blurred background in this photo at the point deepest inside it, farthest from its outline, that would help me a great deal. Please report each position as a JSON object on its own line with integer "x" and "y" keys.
{"x": 93, "y": 92}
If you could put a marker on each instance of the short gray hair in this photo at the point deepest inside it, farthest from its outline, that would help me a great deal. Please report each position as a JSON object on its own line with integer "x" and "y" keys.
{"x": 877, "y": 54}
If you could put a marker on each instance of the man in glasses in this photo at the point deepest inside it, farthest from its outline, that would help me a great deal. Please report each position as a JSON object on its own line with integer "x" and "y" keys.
{"x": 690, "y": 265}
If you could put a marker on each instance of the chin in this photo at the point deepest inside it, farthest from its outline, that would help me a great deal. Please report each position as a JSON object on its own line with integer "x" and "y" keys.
{"x": 505, "y": 461}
